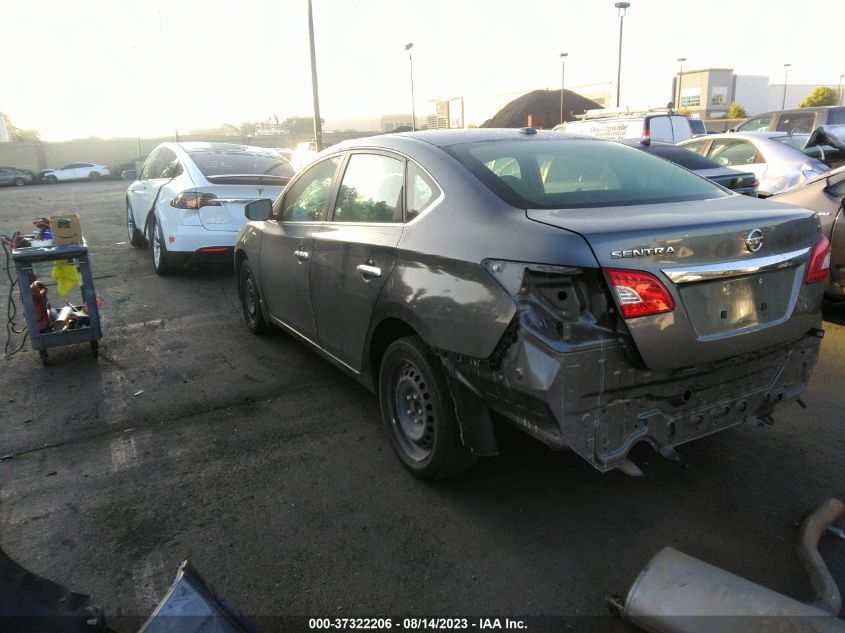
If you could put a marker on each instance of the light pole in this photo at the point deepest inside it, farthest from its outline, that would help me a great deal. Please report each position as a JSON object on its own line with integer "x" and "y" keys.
{"x": 785, "y": 81}
{"x": 622, "y": 6}
{"x": 839, "y": 94}
{"x": 562, "y": 75}
{"x": 408, "y": 48}
{"x": 680, "y": 80}
{"x": 318, "y": 124}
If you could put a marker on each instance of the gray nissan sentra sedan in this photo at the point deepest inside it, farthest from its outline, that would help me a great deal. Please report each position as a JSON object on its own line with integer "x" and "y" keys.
{"x": 592, "y": 294}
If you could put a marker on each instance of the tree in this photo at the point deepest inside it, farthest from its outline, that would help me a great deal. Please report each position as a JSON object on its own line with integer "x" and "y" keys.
{"x": 26, "y": 136}
{"x": 821, "y": 96}
{"x": 736, "y": 111}
{"x": 685, "y": 112}
{"x": 243, "y": 130}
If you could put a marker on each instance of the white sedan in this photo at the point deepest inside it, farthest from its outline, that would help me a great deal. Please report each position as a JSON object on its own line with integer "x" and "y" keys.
{"x": 75, "y": 171}
{"x": 187, "y": 203}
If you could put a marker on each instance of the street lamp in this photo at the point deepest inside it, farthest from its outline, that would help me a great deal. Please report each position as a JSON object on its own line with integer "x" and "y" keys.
{"x": 408, "y": 48}
{"x": 315, "y": 94}
{"x": 562, "y": 75}
{"x": 785, "y": 81}
{"x": 680, "y": 80}
{"x": 622, "y": 6}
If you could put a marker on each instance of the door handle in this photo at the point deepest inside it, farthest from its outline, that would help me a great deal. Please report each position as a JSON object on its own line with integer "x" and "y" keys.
{"x": 369, "y": 271}
{"x": 301, "y": 255}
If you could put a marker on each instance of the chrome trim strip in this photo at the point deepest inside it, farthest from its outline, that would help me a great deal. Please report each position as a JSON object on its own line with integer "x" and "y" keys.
{"x": 737, "y": 268}
{"x": 317, "y": 347}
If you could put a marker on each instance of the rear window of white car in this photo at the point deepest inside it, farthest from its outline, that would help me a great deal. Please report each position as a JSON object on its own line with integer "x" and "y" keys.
{"x": 571, "y": 174}
{"x": 228, "y": 162}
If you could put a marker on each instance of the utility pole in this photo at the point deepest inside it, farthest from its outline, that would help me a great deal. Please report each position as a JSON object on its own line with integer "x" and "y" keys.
{"x": 408, "y": 48}
{"x": 562, "y": 76}
{"x": 680, "y": 80}
{"x": 318, "y": 125}
{"x": 622, "y": 6}
{"x": 785, "y": 81}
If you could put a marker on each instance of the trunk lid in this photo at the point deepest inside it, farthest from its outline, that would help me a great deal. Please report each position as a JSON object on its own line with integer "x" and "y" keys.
{"x": 732, "y": 296}
{"x": 229, "y": 216}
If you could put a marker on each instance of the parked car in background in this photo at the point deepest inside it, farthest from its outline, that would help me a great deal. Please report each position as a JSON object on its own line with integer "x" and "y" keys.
{"x": 802, "y": 120}
{"x": 697, "y": 127}
{"x": 593, "y": 294}
{"x": 187, "y": 203}
{"x": 15, "y": 176}
{"x": 771, "y": 156}
{"x": 75, "y": 171}
{"x": 825, "y": 195}
{"x": 671, "y": 128}
{"x": 739, "y": 181}
{"x": 303, "y": 153}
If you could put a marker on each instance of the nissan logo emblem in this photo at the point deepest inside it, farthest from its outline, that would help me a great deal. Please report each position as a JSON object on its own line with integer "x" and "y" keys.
{"x": 754, "y": 241}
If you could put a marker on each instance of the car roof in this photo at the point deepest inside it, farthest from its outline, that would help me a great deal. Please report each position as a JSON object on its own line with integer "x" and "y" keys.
{"x": 201, "y": 146}
{"x": 445, "y": 138}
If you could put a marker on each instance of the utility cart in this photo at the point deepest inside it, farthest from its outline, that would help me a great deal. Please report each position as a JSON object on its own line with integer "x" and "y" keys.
{"x": 27, "y": 262}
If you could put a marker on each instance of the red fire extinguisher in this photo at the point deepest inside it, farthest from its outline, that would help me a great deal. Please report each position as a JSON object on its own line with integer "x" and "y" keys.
{"x": 42, "y": 306}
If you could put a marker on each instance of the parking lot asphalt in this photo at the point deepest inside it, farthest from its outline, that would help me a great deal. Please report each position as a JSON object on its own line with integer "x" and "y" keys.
{"x": 269, "y": 469}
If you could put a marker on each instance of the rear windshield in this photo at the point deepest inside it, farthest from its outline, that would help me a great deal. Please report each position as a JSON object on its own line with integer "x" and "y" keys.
{"x": 572, "y": 174}
{"x": 229, "y": 162}
{"x": 798, "y": 141}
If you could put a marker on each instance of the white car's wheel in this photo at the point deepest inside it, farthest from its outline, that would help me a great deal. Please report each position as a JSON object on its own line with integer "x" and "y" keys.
{"x": 136, "y": 238}
{"x": 161, "y": 262}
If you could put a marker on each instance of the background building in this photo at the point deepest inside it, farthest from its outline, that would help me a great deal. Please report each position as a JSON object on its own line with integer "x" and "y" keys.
{"x": 390, "y": 122}
{"x": 5, "y": 129}
{"x": 709, "y": 92}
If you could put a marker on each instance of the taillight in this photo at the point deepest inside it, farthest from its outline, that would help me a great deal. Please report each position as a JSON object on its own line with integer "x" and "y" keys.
{"x": 194, "y": 200}
{"x": 819, "y": 262}
{"x": 639, "y": 293}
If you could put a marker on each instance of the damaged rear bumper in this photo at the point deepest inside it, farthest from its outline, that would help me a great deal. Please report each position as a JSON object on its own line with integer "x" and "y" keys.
{"x": 592, "y": 398}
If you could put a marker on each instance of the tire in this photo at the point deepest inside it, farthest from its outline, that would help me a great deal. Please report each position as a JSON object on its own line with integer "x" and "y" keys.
{"x": 251, "y": 300}
{"x": 158, "y": 248}
{"x": 51, "y": 180}
{"x": 136, "y": 238}
{"x": 94, "y": 175}
{"x": 19, "y": 182}
{"x": 425, "y": 435}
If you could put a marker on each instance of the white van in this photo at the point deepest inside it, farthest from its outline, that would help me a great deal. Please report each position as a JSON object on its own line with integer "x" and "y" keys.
{"x": 672, "y": 128}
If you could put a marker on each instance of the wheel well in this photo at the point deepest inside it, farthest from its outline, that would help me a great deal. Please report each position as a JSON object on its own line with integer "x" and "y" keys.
{"x": 385, "y": 333}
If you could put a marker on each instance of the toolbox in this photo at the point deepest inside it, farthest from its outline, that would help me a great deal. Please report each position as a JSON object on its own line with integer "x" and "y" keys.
{"x": 26, "y": 261}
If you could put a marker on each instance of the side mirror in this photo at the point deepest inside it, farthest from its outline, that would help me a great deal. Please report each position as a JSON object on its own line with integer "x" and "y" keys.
{"x": 129, "y": 174}
{"x": 259, "y": 210}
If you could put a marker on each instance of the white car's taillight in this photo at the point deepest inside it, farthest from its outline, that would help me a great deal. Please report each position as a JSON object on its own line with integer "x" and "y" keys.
{"x": 194, "y": 200}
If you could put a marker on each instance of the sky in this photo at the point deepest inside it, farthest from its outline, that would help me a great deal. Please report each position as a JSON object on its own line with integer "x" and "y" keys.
{"x": 146, "y": 68}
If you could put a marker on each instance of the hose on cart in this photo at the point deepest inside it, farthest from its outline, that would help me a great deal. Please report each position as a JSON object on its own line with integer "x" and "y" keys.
{"x": 12, "y": 311}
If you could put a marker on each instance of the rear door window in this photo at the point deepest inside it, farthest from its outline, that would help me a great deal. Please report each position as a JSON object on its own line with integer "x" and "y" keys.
{"x": 728, "y": 153}
{"x": 371, "y": 190}
{"x": 697, "y": 146}
{"x": 757, "y": 124}
{"x": 797, "y": 122}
